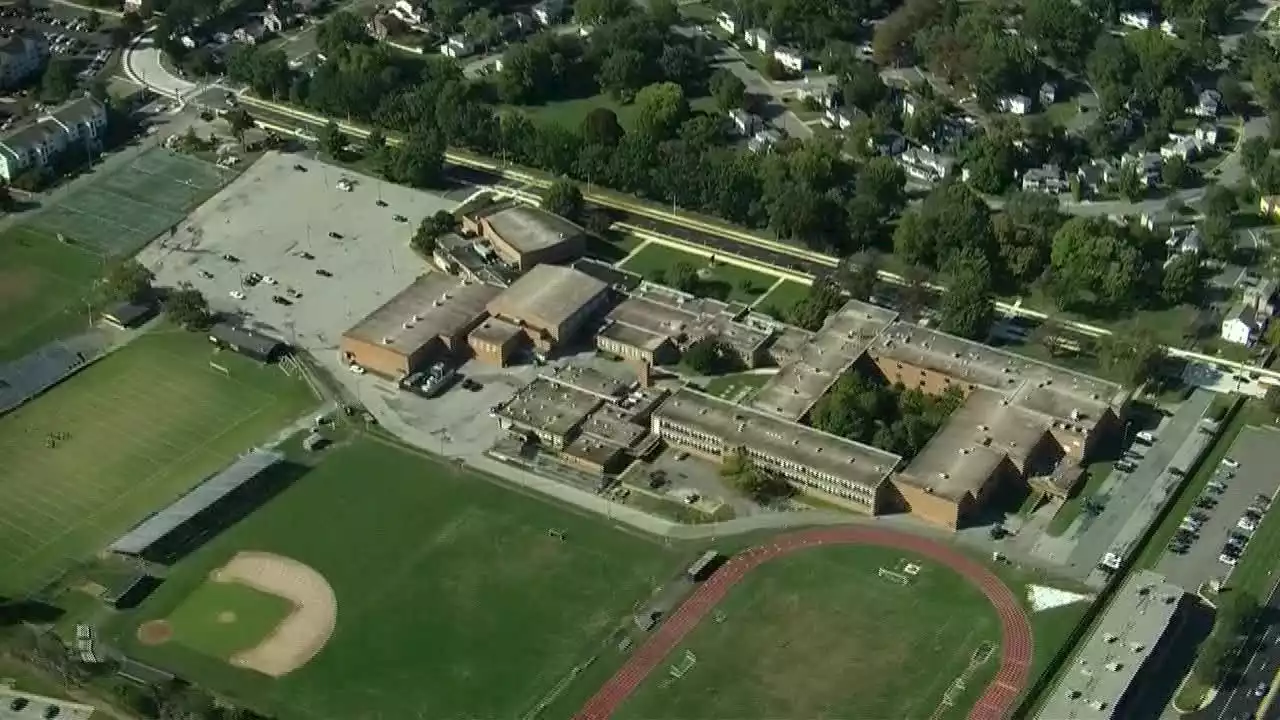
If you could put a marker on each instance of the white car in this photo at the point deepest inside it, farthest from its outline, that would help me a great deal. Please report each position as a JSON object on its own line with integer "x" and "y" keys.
{"x": 1231, "y": 463}
{"x": 1227, "y": 560}
{"x": 236, "y": 294}
{"x": 1246, "y": 524}
{"x": 268, "y": 280}
{"x": 356, "y": 369}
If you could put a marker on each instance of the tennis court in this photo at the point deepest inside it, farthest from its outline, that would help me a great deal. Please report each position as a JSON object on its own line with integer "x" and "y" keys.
{"x": 121, "y": 210}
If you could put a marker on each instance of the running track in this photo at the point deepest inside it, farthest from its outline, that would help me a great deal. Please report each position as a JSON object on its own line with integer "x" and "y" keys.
{"x": 996, "y": 703}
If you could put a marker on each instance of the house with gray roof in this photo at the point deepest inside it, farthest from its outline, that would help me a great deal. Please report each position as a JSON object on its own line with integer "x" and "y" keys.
{"x": 80, "y": 122}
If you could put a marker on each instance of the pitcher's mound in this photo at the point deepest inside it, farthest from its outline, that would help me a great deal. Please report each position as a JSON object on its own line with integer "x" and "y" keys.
{"x": 226, "y": 617}
{"x": 154, "y": 632}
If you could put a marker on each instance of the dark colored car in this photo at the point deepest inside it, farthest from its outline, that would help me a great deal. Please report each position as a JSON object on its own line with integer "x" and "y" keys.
{"x": 18, "y": 703}
{"x": 306, "y": 255}
{"x": 300, "y": 167}
{"x": 381, "y": 203}
{"x": 281, "y": 300}
{"x": 400, "y": 219}
{"x": 323, "y": 273}
{"x": 230, "y": 258}
{"x": 335, "y": 235}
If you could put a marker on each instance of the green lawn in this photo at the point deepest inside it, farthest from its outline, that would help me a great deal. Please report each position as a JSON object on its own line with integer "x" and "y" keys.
{"x": 144, "y": 425}
{"x": 1095, "y": 475}
{"x": 454, "y": 601}
{"x": 42, "y": 285}
{"x": 782, "y": 298}
{"x": 570, "y": 113}
{"x": 721, "y": 281}
{"x": 221, "y": 619}
{"x": 819, "y": 635}
{"x": 737, "y": 387}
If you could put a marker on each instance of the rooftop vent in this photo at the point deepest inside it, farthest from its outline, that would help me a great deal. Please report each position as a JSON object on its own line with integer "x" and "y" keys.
{"x": 387, "y": 340}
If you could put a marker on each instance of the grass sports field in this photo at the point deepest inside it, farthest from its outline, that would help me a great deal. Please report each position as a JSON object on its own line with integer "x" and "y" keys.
{"x": 221, "y": 619}
{"x": 453, "y": 599}
{"x": 820, "y": 635}
{"x": 143, "y": 425}
{"x": 724, "y": 282}
{"x": 43, "y": 282}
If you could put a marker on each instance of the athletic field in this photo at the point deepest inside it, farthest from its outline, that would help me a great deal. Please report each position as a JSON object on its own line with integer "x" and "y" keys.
{"x": 90, "y": 458}
{"x": 455, "y": 598}
{"x": 820, "y": 634}
{"x": 44, "y": 281}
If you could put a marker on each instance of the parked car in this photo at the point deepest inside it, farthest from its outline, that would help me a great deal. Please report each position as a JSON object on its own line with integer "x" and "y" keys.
{"x": 236, "y": 294}
{"x": 1246, "y": 524}
{"x": 1228, "y": 560}
{"x": 1230, "y": 462}
{"x": 356, "y": 369}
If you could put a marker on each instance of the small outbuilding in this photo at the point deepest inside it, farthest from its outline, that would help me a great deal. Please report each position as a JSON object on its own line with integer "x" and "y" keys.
{"x": 127, "y": 315}
{"x": 247, "y": 342}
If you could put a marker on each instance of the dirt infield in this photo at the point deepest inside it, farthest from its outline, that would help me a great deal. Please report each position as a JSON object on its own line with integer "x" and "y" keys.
{"x": 996, "y": 702}
{"x": 155, "y": 632}
{"x": 304, "y": 632}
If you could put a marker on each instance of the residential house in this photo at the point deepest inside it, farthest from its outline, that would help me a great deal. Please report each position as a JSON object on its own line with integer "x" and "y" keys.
{"x": 1168, "y": 28}
{"x": 727, "y": 22}
{"x": 1185, "y": 147}
{"x": 548, "y": 12}
{"x": 1046, "y": 179}
{"x": 1139, "y": 20}
{"x": 1048, "y": 94}
{"x": 926, "y": 166}
{"x": 764, "y": 140}
{"x": 133, "y": 6}
{"x": 273, "y": 19}
{"x": 21, "y": 56}
{"x": 1208, "y": 104}
{"x": 377, "y": 27}
{"x": 1248, "y": 318}
{"x": 411, "y": 12}
{"x": 250, "y": 33}
{"x": 826, "y": 96}
{"x": 1016, "y": 104}
{"x": 888, "y": 144}
{"x": 910, "y": 103}
{"x": 1207, "y": 135}
{"x": 1185, "y": 239}
{"x": 1094, "y": 176}
{"x": 760, "y": 39}
{"x": 522, "y": 23}
{"x": 839, "y": 118}
{"x": 457, "y": 46}
{"x": 789, "y": 57}
{"x": 81, "y": 122}
{"x": 1148, "y": 167}
{"x": 744, "y": 123}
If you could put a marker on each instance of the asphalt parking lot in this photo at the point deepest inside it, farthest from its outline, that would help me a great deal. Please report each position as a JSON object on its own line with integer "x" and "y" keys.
{"x": 1258, "y": 452}
{"x": 272, "y": 214}
{"x": 36, "y": 708}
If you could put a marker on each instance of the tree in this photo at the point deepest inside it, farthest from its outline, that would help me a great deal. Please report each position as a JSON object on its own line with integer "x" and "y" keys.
{"x": 859, "y": 275}
{"x": 601, "y": 127}
{"x": 419, "y": 161}
{"x": 991, "y": 162}
{"x": 430, "y": 229}
{"x": 332, "y": 140}
{"x": 968, "y": 307}
{"x": 1174, "y": 172}
{"x": 862, "y": 87}
{"x": 239, "y": 121}
{"x": 1253, "y": 153}
{"x": 950, "y": 218}
{"x": 599, "y": 12}
{"x": 58, "y": 81}
{"x": 743, "y": 474}
{"x": 93, "y": 21}
{"x": 728, "y": 90}
{"x": 665, "y": 13}
{"x": 341, "y": 31}
{"x": 684, "y": 277}
{"x": 564, "y": 199}
{"x": 682, "y": 64}
{"x": 621, "y": 73}
{"x": 1024, "y": 237}
{"x": 822, "y": 299}
{"x": 1135, "y": 357}
{"x": 1062, "y": 30}
{"x": 710, "y": 356}
{"x": 188, "y": 307}
{"x": 482, "y": 27}
{"x": 660, "y": 108}
{"x": 375, "y": 141}
{"x": 1215, "y": 231}
{"x": 128, "y": 281}
{"x": 1219, "y": 200}
{"x": 1181, "y": 281}
{"x": 1234, "y": 97}
{"x": 1110, "y": 68}
{"x": 1094, "y": 264}
{"x": 132, "y": 24}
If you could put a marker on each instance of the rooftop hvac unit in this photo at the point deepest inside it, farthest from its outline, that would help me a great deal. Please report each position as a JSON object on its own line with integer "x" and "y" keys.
{"x": 387, "y": 341}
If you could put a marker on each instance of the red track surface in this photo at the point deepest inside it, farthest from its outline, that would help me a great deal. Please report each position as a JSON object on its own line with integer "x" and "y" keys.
{"x": 997, "y": 701}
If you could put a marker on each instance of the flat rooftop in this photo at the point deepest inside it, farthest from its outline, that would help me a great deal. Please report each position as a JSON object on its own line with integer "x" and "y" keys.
{"x": 961, "y": 456}
{"x": 530, "y": 229}
{"x": 1048, "y": 389}
{"x": 547, "y": 295}
{"x": 1093, "y": 686}
{"x": 496, "y": 331}
{"x": 549, "y": 407}
{"x": 614, "y": 424}
{"x": 435, "y": 305}
{"x": 631, "y": 335}
{"x": 844, "y": 337}
{"x": 588, "y": 379}
{"x": 740, "y": 426}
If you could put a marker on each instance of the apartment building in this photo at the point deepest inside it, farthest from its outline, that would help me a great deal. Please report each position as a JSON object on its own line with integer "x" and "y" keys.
{"x": 80, "y": 122}
{"x": 21, "y": 57}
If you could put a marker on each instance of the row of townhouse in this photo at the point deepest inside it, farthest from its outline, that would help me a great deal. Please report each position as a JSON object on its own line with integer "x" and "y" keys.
{"x": 81, "y": 122}
{"x": 21, "y": 57}
{"x": 763, "y": 42}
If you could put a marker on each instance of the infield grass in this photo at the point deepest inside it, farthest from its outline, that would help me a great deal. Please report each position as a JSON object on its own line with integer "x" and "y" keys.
{"x": 221, "y": 619}
{"x": 144, "y": 425}
{"x": 454, "y": 601}
{"x": 819, "y": 635}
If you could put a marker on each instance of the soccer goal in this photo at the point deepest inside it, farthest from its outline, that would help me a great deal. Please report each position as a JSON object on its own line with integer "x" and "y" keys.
{"x": 219, "y": 368}
{"x": 686, "y": 664}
